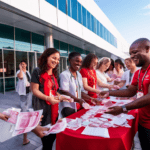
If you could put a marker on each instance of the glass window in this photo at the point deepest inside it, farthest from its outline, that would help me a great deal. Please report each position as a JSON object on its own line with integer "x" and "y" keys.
{"x": 112, "y": 40}
{"x": 80, "y": 50}
{"x": 9, "y": 63}
{"x": 63, "y": 49}
{"x": 19, "y": 57}
{"x": 53, "y": 2}
{"x": 79, "y": 13}
{"x": 108, "y": 37}
{"x": 1, "y": 65}
{"x": 87, "y": 52}
{"x": 89, "y": 20}
{"x": 71, "y": 48}
{"x": 62, "y": 5}
{"x": 6, "y": 37}
{"x": 97, "y": 27}
{"x": 92, "y": 22}
{"x": 22, "y": 40}
{"x": 31, "y": 61}
{"x": 102, "y": 31}
{"x": 38, "y": 56}
{"x": 84, "y": 16}
{"x": 37, "y": 42}
{"x": 74, "y": 9}
{"x": 9, "y": 84}
{"x": 62, "y": 64}
{"x": 1, "y": 85}
{"x": 56, "y": 44}
{"x": 105, "y": 33}
{"x": 69, "y": 8}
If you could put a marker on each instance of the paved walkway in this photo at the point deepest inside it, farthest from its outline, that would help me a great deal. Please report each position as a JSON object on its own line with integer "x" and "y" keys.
{"x": 11, "y": 99}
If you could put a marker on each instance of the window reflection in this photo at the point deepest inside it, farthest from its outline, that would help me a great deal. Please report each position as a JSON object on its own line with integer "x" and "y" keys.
{"x": 6, "y": 37}
{"x": 1, "y": 65}
{"x": 19, "y": 57}
{"x": 38, "y": 56}
{"x": 8, "y": 63}
{"x": 37, "y": 42}
{"x": 22, "y": 40}
{"x": 31, "y": 62}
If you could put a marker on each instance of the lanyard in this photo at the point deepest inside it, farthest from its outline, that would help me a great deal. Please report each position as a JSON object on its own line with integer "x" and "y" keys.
{"x": 142, "y": 79}
{"x": 78, "y": 87}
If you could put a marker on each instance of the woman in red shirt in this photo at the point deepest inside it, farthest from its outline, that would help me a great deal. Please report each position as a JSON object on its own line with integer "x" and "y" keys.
{"x": 44, "y": 87}
{"x": 89, "y": 75}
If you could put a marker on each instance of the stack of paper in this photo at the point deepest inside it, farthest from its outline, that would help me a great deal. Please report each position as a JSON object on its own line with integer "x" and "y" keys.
{"x": 102, "y": 132}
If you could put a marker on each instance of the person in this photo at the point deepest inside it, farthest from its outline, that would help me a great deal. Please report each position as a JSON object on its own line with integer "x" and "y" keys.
{"x": 39, "y": 131}
{"x": 118, "y": 69}
{"x": 45, "y": 95}
{"x": 140, "y": 53}
{"x": 71, "y": 85}
{"x": 23, "y": 89}
{"x": 128, "y": 75}
{"x": 109, "y": 71}
{"x": 89, "y": 77}
{"x": 103, "y": 65}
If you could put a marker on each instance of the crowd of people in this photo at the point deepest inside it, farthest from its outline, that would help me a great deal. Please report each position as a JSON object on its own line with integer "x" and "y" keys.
{"x": 86, "y": 81}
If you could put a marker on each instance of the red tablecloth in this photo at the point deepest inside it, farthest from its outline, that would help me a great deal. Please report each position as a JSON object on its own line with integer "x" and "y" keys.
{"x": 121, "y": 138}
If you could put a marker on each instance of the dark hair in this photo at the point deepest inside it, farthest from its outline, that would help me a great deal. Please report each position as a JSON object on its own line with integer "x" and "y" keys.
{"x": 129, "y": 59}
{"x": 43, "y": 60}
{"x": 23, "y": 61}
{"x": 120, "y": 62}
{"x": 73, "y": 54}
{"x": 88, "y": 59}
{"x": 111, "y": 64}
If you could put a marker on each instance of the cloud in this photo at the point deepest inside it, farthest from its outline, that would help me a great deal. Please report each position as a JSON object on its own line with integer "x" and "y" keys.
{"x": 147, "y": 7}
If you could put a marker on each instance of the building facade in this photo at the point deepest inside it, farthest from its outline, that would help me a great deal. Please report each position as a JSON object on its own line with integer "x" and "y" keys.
{"x": 28, "y": 27}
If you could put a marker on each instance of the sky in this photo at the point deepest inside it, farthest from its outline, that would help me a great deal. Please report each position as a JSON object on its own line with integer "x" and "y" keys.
{"x": 130, "y": 17}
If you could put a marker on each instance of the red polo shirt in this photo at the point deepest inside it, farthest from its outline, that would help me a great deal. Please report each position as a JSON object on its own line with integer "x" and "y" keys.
{"x": 91, "y": 79}
{"x": 144, "y": 112}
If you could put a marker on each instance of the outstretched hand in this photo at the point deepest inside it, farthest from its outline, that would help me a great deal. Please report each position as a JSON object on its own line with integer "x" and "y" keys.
{"x": 116, "y": 110}
{"x": 39, "y": 131}
{"x": 95, "y": 101}
{"x": 104, "y": 94}
{"x": 4, "y": 117}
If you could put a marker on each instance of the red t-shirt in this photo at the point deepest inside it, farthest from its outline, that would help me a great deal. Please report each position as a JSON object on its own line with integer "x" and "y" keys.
{"x": 144, "y": 112}
{"x": 91, "y": 79}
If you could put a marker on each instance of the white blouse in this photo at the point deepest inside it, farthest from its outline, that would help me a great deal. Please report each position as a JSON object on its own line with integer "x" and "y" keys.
{"x": 21, "y": 84}
{"x": 69, "y": 83}
{"x": 103, "y": 77}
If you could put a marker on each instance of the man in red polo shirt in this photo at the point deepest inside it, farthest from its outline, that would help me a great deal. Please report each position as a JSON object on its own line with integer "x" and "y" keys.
{"x": 140, "y": 53}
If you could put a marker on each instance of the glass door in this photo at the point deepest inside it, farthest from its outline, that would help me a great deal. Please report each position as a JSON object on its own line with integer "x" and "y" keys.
{"x": 9, "y": 74}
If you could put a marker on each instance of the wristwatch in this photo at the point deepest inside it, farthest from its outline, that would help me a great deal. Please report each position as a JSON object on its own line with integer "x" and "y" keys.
{"x": 124, "y": 108}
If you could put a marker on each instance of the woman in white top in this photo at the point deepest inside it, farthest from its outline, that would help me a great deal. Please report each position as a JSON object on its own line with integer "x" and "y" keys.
{"x": 71, "y": 85}
{"x": 118, "y": 70}
{"x": 23, "y": 89}
{"x": 128, "y": 75}
{"x": 103, "y": 65}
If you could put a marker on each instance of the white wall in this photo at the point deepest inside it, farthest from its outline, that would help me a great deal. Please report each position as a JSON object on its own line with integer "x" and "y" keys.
{"x": 47, "y": 12}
